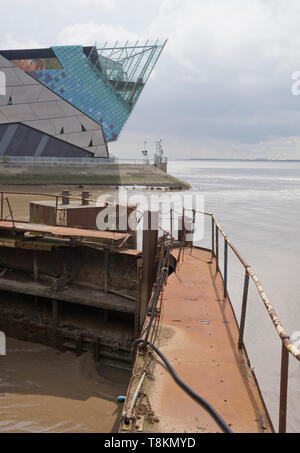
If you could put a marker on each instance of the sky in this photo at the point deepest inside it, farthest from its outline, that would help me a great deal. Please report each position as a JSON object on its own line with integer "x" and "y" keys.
{"x": 222, "y": 87}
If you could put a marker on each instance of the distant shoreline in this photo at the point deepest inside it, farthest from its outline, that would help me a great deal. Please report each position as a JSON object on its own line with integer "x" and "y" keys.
{"x": 236, "y": 160}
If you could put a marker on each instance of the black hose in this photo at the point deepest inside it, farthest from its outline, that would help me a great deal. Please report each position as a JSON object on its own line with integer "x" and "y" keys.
{"x": 186, "y": 388}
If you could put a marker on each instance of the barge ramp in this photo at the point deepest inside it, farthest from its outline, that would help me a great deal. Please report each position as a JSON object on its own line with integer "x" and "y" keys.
{"x": 199, "y": 335}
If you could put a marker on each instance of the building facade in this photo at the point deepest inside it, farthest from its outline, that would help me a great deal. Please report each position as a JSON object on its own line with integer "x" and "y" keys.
{"x": 71, "y": 101}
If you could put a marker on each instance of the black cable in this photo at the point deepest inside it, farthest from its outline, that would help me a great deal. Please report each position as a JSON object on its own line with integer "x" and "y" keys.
{"x": 186, "y": 388}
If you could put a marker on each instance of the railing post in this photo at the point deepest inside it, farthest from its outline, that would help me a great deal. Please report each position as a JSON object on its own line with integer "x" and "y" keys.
{"x": 193, "y": 228}
{"x": 183, "y": 233}
{"x": 212, "y": 237}
{"x": 244, "y": 307}
{"x": 225, "y": 265}
{"x": 171, "y": 224}
{"x": 56, "y": 207}
{"x": 10, "y": 212}
{"x": 217, "y": 248}
{"x": 284, "y": 376}
{"x": 183, "y": 226}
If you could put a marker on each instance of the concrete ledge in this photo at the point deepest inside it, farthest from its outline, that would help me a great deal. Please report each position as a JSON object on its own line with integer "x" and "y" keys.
{"x": 105, "y": 174}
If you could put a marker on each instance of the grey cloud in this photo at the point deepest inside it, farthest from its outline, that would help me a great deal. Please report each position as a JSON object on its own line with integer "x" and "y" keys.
{"x": 224, "y": 77}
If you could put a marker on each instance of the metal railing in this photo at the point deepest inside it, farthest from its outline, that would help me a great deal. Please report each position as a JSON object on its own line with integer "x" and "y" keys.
{"x": 75, "y": 161}
{"x": 141, "y": 161}
{"x": 6, "y": 160}
{"x": 287, "y": 346}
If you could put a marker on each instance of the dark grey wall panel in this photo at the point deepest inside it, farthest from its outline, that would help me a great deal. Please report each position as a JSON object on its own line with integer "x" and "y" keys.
{"x": 64, "y": 149}
{"x": 20, "y": 140}
{"x": 42, "y": 145}
{"x": 24, "y": 142}
{"x": 7, "y": 137}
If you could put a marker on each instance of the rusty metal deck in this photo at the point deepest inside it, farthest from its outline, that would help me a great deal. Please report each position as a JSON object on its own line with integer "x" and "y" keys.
{"x": 199, "y": 334}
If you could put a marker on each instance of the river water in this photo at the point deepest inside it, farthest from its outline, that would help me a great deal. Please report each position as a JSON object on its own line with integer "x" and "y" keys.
{"x": 43, "y": 390}
{"x": 258, "y": 206}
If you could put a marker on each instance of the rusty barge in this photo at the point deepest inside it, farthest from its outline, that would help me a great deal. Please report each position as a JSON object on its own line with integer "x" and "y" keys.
{"x": 83, "y": 289}
{"x": 66, "y": 269}
{"x": 192, "y": 344}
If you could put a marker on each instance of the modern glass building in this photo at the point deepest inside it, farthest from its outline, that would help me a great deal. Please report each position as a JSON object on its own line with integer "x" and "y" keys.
{"x": 70, "y": 101}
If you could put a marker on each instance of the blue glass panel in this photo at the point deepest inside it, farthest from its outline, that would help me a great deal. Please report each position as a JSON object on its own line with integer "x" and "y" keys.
{"x": 80, "y": 85}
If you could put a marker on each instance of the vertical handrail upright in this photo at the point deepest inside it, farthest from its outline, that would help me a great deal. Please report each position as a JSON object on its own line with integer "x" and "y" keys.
{"x": 192, "y": 231}
{"x": 171, "y": 225}
{"x": 244, "y": 308}
{"x": 212, "y": 237}
{"x": 225, "y": 265}
{"x": 56, "y": 206}
{"x": 183, "y": 232}
{"x": 284, "y": 377}
{"x": 217, "y": 247}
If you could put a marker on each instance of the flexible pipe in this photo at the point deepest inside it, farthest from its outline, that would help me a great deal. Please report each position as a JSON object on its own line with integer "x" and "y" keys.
{"x": 217, "y": 417}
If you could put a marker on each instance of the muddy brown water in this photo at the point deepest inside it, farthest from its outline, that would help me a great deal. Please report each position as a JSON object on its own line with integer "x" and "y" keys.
{"x": 44, "y": 390}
